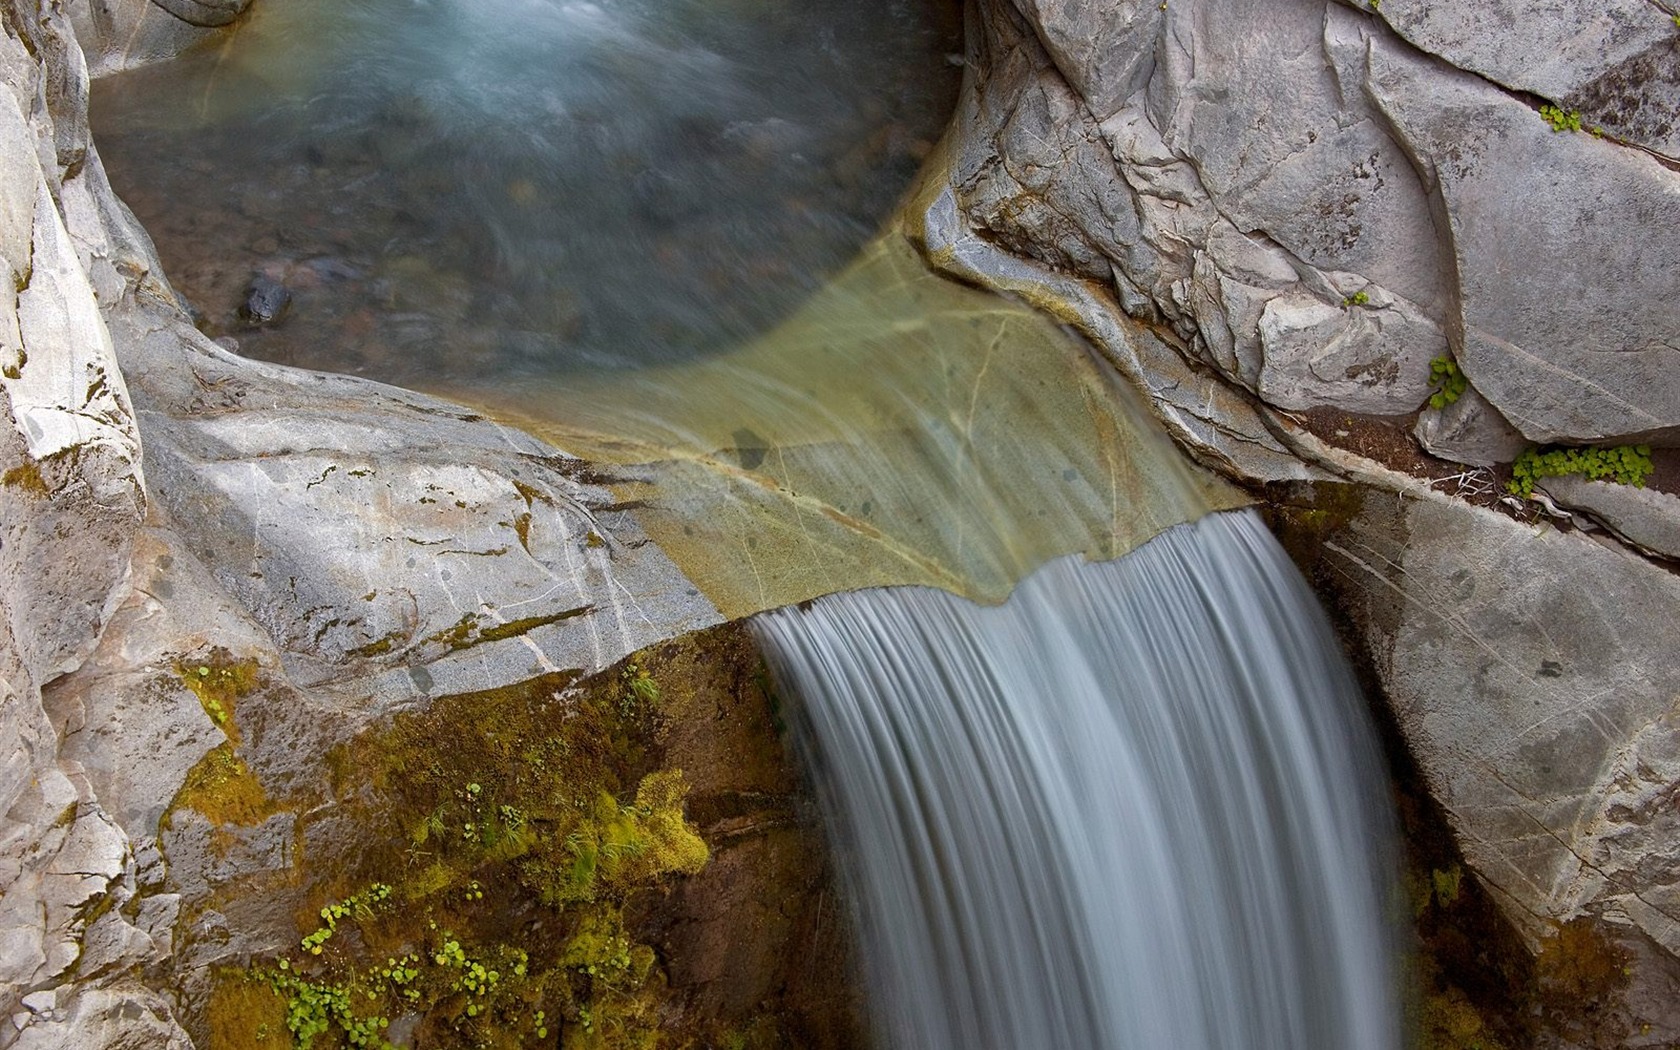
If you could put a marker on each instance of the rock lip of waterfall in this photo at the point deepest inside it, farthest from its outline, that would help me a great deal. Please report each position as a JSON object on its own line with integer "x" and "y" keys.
{"x": 900, "y": 428}
{"x": 1138, "y": 805}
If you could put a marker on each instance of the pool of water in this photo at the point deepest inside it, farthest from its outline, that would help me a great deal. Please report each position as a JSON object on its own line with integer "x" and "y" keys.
{"x": 473, "y": 194}
{"x": 666, "y": 237}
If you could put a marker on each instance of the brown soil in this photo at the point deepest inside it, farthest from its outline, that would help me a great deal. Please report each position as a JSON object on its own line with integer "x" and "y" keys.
{"x": 1389, "y": 441}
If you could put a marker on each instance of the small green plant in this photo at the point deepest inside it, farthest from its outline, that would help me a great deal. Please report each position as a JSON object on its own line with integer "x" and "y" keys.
{"x": 641, "y": 684}
{"x": 1448, "y": 380}
{"x": 1623, "y": 464}
{"x": 360, "y": 906}
{"x": 1558, "y": 120}
{"x": 1356, "y": 299}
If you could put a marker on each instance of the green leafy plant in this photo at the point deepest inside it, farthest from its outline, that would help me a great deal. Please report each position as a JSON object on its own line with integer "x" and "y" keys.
{"x": 1558, "y": 120}
{"x": 1448, "y": 380}
{"x": 1356, "y": 299}
{"x": 1624, "y": 464}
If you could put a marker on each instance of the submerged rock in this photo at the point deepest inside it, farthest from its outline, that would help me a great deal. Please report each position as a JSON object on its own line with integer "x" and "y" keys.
{"x": 266, "y": 301}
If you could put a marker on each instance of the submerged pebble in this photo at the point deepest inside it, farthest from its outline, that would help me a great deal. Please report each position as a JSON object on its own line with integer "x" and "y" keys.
{"x": 266, "y": 301}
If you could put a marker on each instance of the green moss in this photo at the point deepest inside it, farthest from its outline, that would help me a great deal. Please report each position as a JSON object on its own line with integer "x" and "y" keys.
{"x": 515, "y": 628}
{"x": 1450, "y": 1022}
{"x": 541, "y": 807}
{"x": 472, "y": 629}
{"x": 1623, "y": 464}
{"x": 246, "y": 1012}
{"x": 221, "y": 787}
{"x": 220, "y": 681}
{"x": 380, "y": 646}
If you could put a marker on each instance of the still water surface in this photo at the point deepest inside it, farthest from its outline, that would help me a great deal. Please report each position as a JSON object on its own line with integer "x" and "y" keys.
{"x": 490, "y": 191}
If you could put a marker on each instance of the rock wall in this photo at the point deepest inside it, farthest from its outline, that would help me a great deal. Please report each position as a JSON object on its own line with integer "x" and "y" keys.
{"x": 1275, "y": 217}
{"x": 123, "y": 34}
{"x": 334, "y": 549}
{"x": 1257, "y": 210}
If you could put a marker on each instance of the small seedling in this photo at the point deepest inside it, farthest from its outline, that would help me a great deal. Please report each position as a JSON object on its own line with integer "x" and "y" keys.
{"x": 1558, "y": 120}
{"x": 1449, "y": 382}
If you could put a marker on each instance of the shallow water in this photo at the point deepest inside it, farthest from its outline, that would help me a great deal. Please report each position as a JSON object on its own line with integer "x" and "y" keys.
{"x": 1137, "y": 806}
{"x": 493, "y": 190}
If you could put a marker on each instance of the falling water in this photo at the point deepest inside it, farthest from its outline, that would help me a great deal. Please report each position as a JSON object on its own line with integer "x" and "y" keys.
{"x": 1137, "y": 805}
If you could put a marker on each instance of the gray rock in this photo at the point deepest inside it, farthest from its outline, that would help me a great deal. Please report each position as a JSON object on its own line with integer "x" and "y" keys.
{"x": 1317, "y": 170}
{"x": 127, "y": 1016}
{"x": 1370, "y": 357}
{"x": 128, "y": 699}
{"x": 126, "y": 34}
{"x": 1106, "y": 50}
{"x": 1646, "y": 518}
{"x": 266, "y": 301}
{"x": 1469, "y": 431}
{"x": 1523, "y": 669}
{"x": 392, "y": 545}
{"x": 1565, "y": 250}
{"x": 71, "y": 500}
{"x": 1616, "y": 61}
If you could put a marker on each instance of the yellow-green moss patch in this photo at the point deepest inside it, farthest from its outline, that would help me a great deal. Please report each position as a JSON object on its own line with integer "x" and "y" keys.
{"x": 26, "y": 477}
{"x": 220, "y": 681}
{"x": 225, "y": 790}
{"x": 246, "y": 1013}
{"x": 488, "y": 911}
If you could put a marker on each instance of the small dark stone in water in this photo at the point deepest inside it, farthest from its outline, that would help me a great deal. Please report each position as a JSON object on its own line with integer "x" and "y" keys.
{"x": 266, "y": 301}
{"x": 750, "y": 449}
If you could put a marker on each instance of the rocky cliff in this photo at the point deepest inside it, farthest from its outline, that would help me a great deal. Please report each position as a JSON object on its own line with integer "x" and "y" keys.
{"x": 1289, "y": 222}
{"x": 1363, "y": 257}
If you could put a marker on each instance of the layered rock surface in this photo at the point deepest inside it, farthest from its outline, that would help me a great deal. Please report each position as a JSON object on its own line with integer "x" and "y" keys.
{"x": 1264, "y": 210}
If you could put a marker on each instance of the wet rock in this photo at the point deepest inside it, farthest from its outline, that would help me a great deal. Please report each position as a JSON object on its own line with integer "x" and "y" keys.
{"x": 125, "y": 34}
{"x": 266, "y": 301}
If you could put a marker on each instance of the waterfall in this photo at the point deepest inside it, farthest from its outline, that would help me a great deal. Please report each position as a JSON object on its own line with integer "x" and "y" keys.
{"x": 1138, "y": 805}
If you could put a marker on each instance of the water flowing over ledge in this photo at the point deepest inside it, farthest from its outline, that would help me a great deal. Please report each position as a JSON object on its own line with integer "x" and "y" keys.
{"x": 1136, "y": 806}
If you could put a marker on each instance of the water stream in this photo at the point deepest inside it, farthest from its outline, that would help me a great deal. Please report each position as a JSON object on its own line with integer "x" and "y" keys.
{"x": 1136, "y": 806}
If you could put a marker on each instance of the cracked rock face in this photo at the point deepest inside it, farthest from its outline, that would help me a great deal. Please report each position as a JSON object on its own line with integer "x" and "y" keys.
{"x": 1259, "y": 208}
{"x": 1316, "y": 208}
